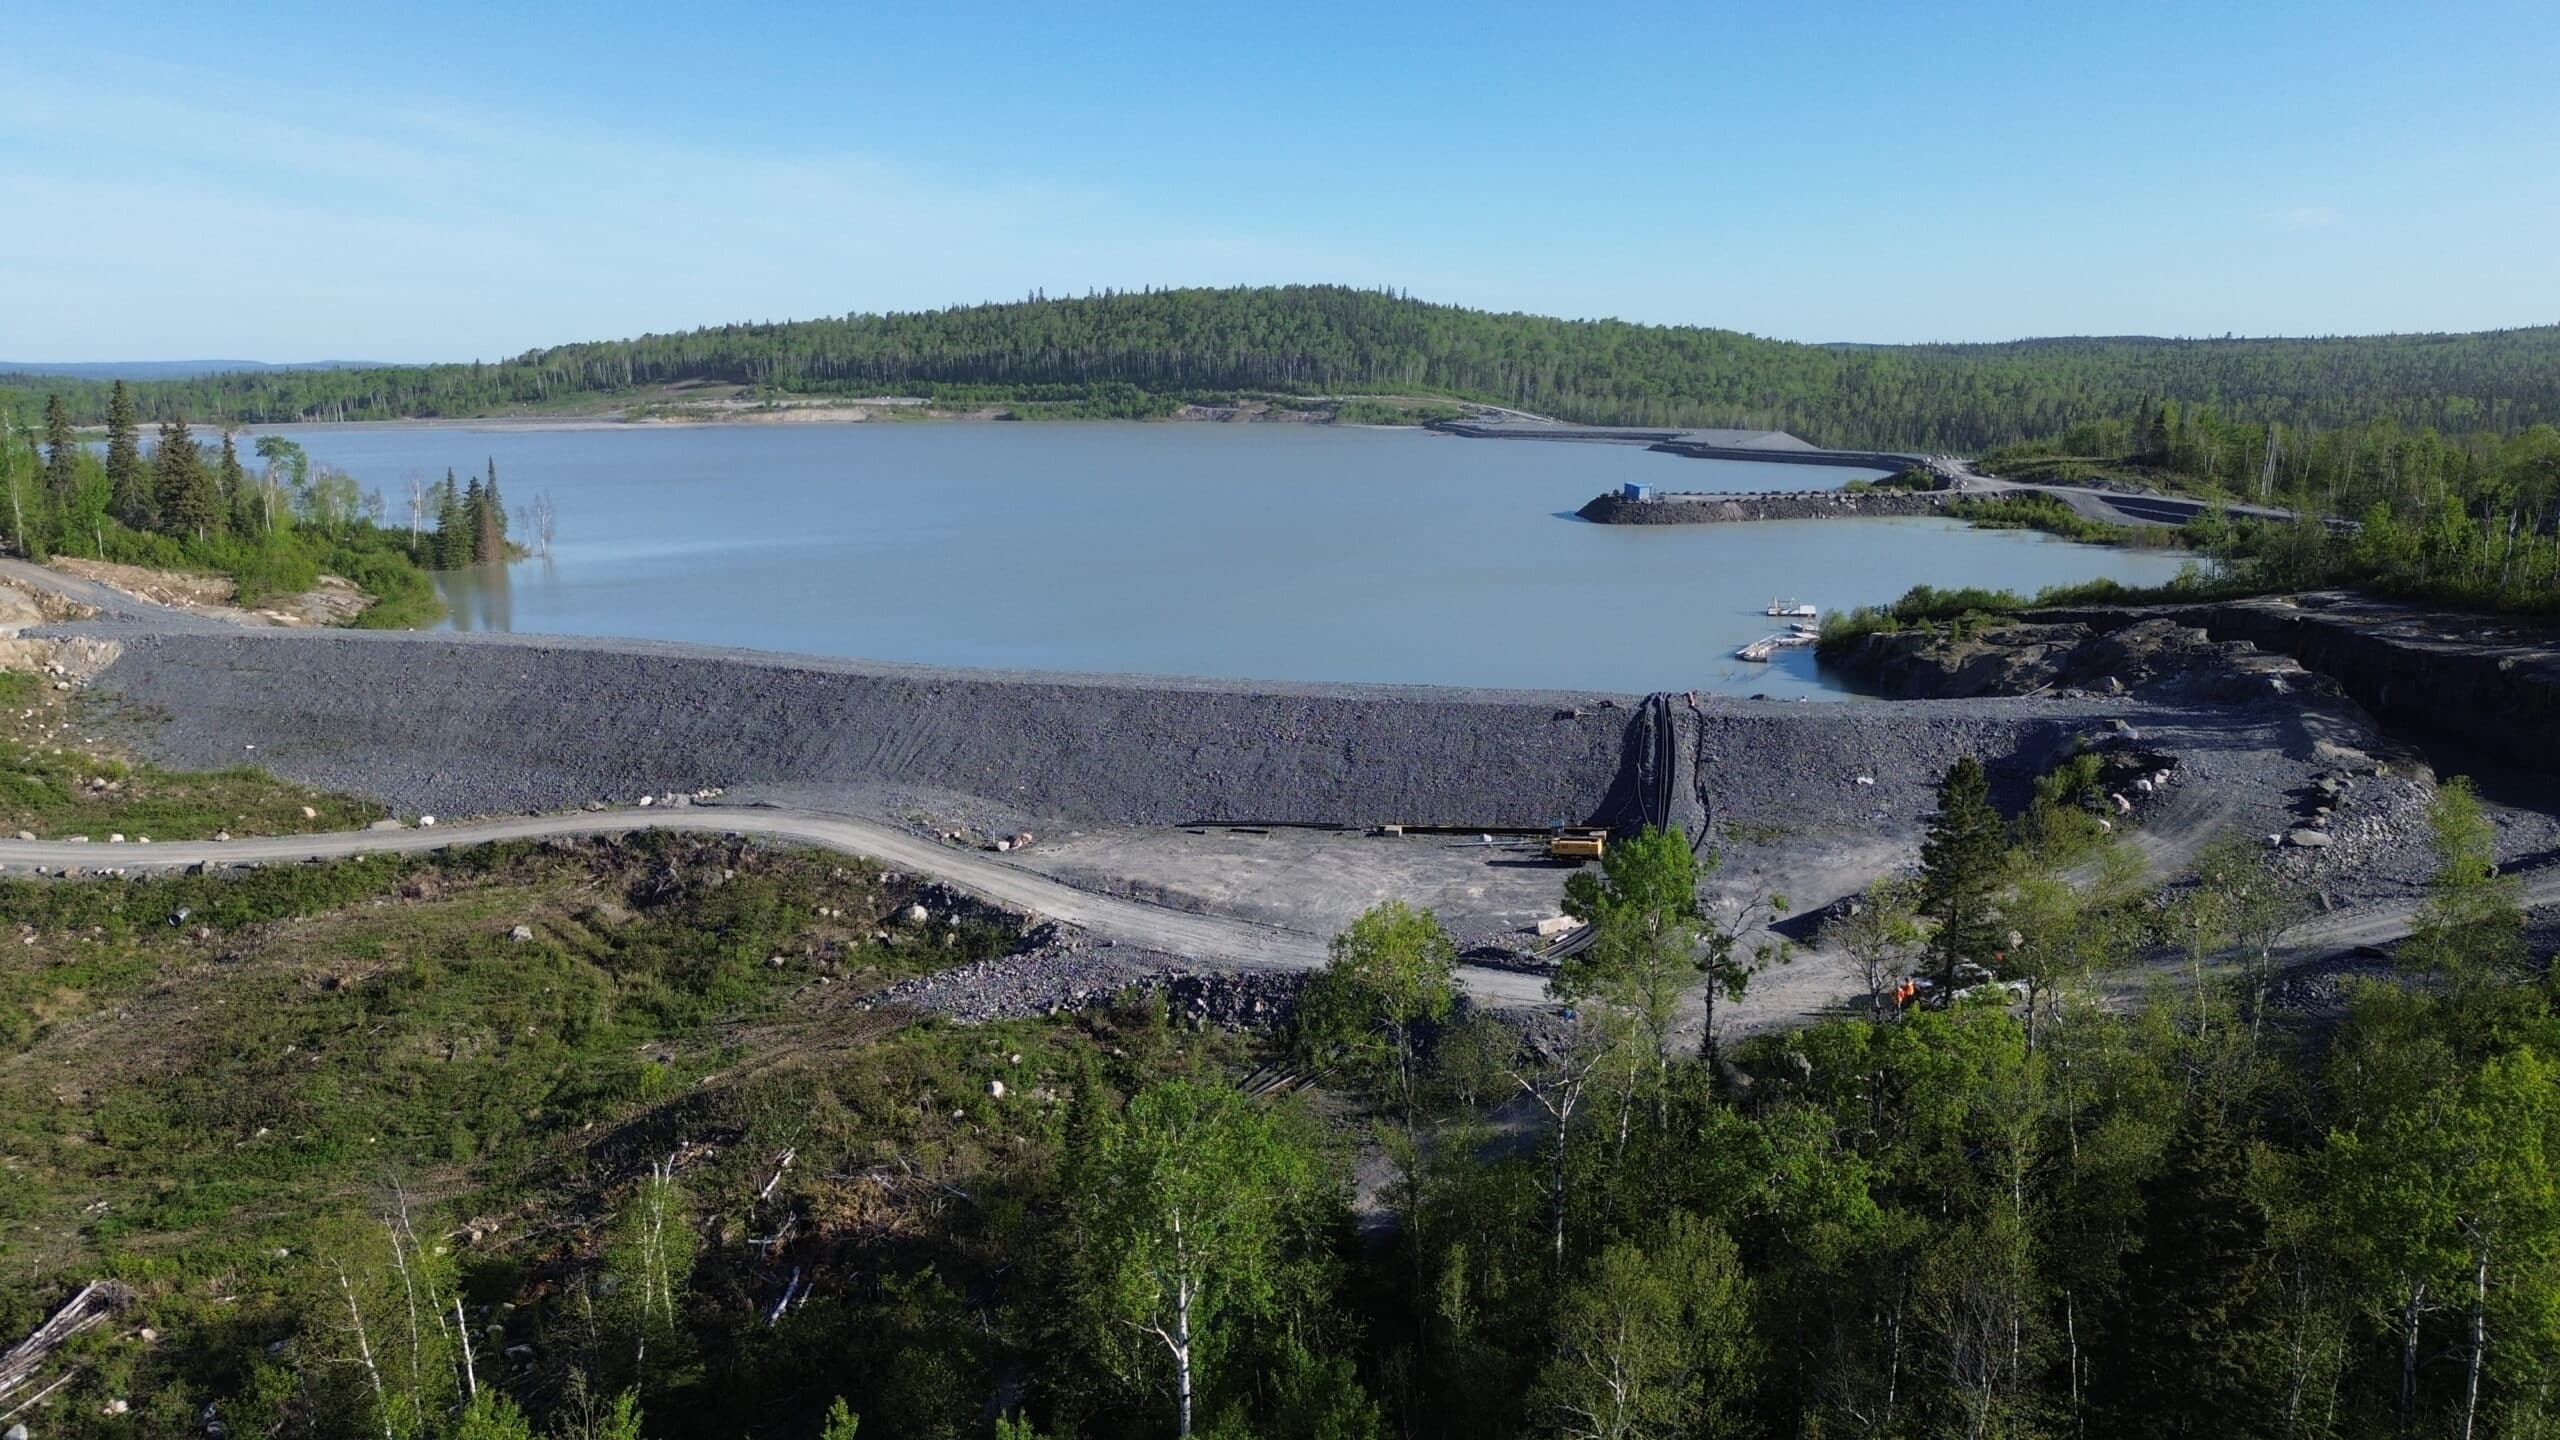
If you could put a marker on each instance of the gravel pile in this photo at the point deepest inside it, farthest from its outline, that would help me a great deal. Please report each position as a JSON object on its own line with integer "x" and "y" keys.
{"x": 1815, "y": 767}
{"x": 2318, "y": 993}
{"x": 2363, "y": 825}
{"x": 1063, "y": 974}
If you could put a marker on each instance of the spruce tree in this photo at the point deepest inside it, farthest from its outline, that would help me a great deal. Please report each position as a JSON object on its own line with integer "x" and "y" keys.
{"x": 128, "y": 484}
{"x": 238, "y": 498}
{"x": 453, "y": 529}
{"x": 475, "y": 520}
{"x": 2195, "y": 1350}
{"x": 62, "y": 451}
{"x": 493, "y": 518}
{"x": 1959, "y": 867}
{"x": 184, "y": 491}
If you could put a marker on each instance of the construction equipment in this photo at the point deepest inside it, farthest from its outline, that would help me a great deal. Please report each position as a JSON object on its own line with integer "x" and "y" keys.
{"x": 1577, "y": 842}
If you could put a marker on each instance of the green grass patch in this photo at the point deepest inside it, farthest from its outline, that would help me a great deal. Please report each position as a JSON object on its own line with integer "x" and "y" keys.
{"x": 1372, "y": 410}
{"x": 1912, "y": 480}
{"x": 1963, "y": 610}
{"x": 266, "y": 569}
{"x": 56, "y": 783}
{"x": 2043, "y": 512}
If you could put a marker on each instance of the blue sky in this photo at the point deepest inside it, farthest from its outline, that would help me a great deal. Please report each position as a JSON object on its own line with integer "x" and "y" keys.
{"x": 285, "y": 181}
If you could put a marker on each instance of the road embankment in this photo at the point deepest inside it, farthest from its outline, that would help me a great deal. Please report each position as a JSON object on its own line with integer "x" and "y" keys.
{"x": 1705, "y": 509}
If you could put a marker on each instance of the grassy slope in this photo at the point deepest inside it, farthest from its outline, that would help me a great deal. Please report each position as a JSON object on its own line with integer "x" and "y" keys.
{"x": 191, "y": 1107}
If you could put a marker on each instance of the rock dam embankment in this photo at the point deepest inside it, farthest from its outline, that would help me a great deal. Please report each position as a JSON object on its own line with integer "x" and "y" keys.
{"x": 454, "y": 725}
{"x": 1704, "y": 509}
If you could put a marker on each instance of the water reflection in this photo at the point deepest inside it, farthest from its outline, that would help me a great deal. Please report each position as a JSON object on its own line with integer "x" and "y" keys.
{"x": 1271, "y": 552}
{"x": 481, "y": 597}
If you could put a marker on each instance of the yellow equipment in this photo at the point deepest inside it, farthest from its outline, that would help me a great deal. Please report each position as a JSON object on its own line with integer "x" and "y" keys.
{"x": 1573, "y": 842}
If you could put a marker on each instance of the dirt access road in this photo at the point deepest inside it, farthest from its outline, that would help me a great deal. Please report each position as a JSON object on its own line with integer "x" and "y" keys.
{"x": 1819, "y": 983}
{"x": 1212, "y": 939}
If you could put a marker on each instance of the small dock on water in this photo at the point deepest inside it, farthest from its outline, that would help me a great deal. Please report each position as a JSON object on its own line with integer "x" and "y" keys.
{"x": 1794, "y": 638}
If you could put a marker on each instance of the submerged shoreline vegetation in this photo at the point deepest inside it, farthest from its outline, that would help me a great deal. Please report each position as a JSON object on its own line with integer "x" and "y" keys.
{"x": 1137, "y": 354}
{"x": 274, "y": 529}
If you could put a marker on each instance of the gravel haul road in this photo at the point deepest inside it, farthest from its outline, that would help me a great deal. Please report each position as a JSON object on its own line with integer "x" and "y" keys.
{"x": 1209, "y": 939}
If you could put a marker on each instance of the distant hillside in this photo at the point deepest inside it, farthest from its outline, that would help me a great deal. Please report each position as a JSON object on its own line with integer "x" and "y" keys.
{"x": 23, "y": 373}
{"x": 1139, "y": 353}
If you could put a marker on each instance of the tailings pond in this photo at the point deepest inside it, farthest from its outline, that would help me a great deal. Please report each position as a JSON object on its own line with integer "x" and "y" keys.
{"x": 1268, "y": 551}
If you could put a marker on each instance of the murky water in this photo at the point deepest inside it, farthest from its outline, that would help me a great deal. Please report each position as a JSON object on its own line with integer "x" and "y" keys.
{"x": 1254, "y": 551}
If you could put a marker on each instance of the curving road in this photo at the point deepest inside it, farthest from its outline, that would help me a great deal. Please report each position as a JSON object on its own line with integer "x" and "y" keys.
{"x": 2111, "y": 507}
{"x": 1209, "y": 938}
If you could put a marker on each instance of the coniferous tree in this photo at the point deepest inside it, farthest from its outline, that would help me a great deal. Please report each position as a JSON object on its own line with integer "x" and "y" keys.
{"x": 453, "y": 528}
{"x": 239, "y": 495}
{"x": 2195, "y": 1348}
{"x": 184, "y": 491}
{"x": 62, "y": 451}
{"x": 475, "y": 520}
{"x": 1959, "y": 867}
{"x": 129, "y": 485}
{"x": 493, "y": 518}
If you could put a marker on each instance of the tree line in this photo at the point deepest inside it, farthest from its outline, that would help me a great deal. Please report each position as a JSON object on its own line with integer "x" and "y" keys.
{"x": 2471, "y": 520}
{"x": 1125, "y": 352}
{"x": 1991, "y": 1202}
{"x": 272, "y": 520}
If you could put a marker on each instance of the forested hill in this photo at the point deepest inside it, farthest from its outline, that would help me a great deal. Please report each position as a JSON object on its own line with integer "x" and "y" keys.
{"x": 1134, "y": 352}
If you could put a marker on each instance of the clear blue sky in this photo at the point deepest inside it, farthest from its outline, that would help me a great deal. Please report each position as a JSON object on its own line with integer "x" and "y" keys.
{"x": 290, "y": 181}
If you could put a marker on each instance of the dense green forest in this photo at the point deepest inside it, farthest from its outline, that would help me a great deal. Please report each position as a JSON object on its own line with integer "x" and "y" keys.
{"x": 631, "y": 1177}
{"x": 1132, "y": 352}
{"x": 271, "y": 521}
{"x": 2471, "y": 520}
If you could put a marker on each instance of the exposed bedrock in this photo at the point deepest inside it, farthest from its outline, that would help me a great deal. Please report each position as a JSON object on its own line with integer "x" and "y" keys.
{"x": 455, "y": 725}
{"x": 2158, "y": 656}
{"x": 2488, "y": 682}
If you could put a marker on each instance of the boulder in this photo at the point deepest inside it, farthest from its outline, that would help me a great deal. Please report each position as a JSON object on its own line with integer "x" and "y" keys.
{"x": 2307, "y": 839}
{"x": 520, "y": 934}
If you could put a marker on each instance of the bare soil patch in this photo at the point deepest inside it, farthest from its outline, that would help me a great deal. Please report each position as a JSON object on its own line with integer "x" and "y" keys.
{"x": 333, "y": 601}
